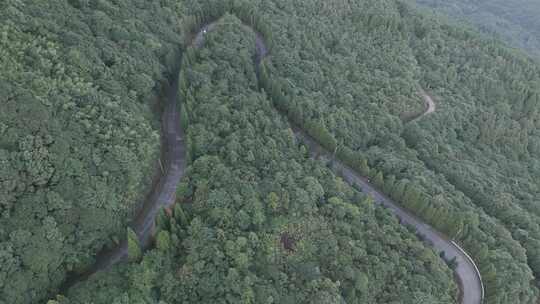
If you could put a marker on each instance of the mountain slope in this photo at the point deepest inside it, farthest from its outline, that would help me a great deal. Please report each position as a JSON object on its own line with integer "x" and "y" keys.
{"x": 352, "y": 77}
{"x": 270, "y": 225}
{"x": 257, "y": 220}
{"x": 78, "y": 140}
{"x": 515, "y": 21}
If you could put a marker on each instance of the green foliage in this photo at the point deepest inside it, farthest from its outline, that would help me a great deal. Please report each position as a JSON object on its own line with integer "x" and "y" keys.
{"x": 379, "y": 180}
{"x": 133, "y": 246}
{"x": 364, "y": 168}
{"x": 515, "y": 21}
{"x": 78, "y": 139}
{"x": 266, "y": 224}
{"x": 424, "y": 161}
{"x": 163, "y": 241}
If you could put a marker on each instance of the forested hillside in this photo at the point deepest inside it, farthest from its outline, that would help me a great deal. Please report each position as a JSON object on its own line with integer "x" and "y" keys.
{"x": 516, "y": 21}
{"x": 257, "y": 220}
{"x": 456, "y": 64}
{"x": 78, "y": 140}
{"x": 268, "y": 225}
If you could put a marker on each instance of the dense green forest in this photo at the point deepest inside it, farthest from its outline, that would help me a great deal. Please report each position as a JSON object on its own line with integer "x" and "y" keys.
{"x": 515, "y": 21}
{"x": 441, "y": 168}
{"x": 225, "y": 246}
{"x": 78, "y": 139}
{"x": 257, "y": 220}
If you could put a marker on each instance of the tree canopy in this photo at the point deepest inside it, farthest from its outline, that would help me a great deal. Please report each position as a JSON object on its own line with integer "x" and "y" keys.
{"x": 270, "y": 225}
{"x": 257, "y": 220}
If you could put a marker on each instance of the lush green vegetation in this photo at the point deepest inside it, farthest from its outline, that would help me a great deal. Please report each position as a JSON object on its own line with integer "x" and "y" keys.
{"x": 78, "y": 140}
{"x": 268, "y": 225}
{"x": 257, "y": 221}
{"x": 485, "y": 141}
{"x": 439, "y": 167}
{"x": 515, "y": 21}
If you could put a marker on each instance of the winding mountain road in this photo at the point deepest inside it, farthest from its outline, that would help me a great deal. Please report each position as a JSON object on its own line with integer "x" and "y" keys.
{"x": 163, "y": 194}
{"x": 470, "y": 283}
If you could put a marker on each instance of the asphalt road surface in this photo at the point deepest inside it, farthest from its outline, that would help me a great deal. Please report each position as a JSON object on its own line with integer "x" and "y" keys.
{"x": 470, "y": 280}
{"x": 163, "y": 194}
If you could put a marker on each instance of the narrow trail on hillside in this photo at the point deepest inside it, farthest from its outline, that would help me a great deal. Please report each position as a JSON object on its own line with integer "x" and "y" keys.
{"x": 163, "y": 194}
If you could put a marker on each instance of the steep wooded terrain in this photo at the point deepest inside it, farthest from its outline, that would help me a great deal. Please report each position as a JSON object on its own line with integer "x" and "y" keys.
{"x": 256, "y": 219}
{"x": 269, "y": 225}
{"x": 78, "y": 140}
{"x": 515, "y": 21}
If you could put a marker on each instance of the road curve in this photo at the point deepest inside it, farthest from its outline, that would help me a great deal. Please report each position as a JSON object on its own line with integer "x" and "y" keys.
{"x": 163, "y": 193}
{"x": 469, "y": 278}
{"x": 470, "y": 282}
